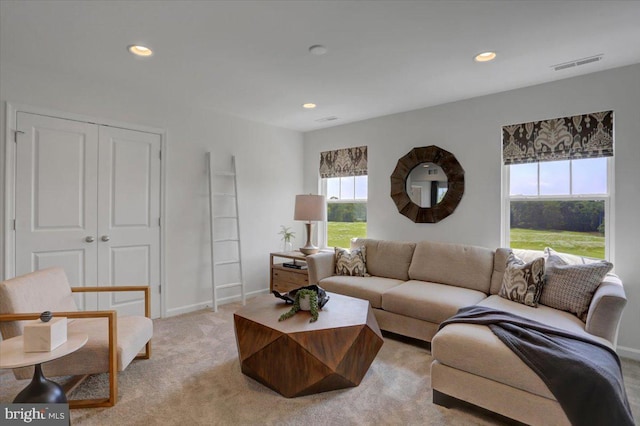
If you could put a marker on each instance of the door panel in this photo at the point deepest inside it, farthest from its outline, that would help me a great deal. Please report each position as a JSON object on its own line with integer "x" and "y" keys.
{"x": 59, "y": 191}
{"x": 56, "y": 200}
{"x": 129, "y": 213}
{"x": 130, "y": 190}
{"x": 129, "y": 265}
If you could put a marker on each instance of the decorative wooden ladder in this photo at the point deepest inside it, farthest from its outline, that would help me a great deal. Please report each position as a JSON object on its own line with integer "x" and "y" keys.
{"x": 226, "y": 180}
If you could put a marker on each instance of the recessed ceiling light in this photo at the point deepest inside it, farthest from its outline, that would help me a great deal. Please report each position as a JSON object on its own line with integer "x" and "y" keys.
{"x": 309, "y": 105}
{"x": 485, "y": 57}
{"x": 317, "y": 49}
{"x": 140, "y": 50}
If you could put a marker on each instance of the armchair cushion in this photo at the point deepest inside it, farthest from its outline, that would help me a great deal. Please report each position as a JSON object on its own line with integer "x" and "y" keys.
{"x": 93, "y": 358}
{"x": 39, "y": 291}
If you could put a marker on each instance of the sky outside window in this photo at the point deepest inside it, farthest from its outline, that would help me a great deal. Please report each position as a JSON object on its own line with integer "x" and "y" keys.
{"x": 524, "y": 179}
{"x": 346, "y": 188}
{"x": 554, "y": 178}
{"x": 361, "y": 187}
{"x": 333, "y": 188}
{"x": 590, "y": 176}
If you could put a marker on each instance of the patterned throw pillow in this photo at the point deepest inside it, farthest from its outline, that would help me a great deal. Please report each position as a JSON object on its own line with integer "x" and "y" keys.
{"x": 352, "y": 262}
{"x": 570, "y": 287}
{"x": 523, "y": 282}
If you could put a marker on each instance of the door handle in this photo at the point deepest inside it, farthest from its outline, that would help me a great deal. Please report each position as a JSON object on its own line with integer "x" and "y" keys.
{"x": 105, "y": 238}
{"x": 89, "y": 239}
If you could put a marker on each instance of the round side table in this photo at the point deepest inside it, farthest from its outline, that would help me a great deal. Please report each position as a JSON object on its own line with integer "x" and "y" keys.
{"x": 41, "y": 389}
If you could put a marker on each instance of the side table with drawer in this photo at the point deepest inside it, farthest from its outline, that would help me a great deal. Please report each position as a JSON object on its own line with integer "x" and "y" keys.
{"x": 285, "y": 279}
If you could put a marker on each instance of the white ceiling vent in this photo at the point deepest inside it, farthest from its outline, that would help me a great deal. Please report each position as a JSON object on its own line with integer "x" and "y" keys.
{"x": 322, "y": 120}
{"x": 577, "y": 62}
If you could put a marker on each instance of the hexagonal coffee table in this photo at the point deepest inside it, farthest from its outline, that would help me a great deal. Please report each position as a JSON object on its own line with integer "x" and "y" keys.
{"x": 295, "y": 357}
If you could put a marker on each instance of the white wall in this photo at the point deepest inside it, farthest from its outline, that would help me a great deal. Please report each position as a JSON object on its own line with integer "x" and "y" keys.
{"x": 471, "y": 130}
{"x": 270, "y": 173}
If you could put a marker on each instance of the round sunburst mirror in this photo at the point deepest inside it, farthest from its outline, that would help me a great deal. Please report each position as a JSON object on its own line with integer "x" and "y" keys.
{"x": 427, "y": 184}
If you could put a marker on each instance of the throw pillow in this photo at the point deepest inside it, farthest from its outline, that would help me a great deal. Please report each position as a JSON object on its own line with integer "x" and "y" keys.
{"x": 570, "y": 259}
{"x": 571, "y": 287}
{"x": 523, "y": 282}
{"x": 353, "y": 263}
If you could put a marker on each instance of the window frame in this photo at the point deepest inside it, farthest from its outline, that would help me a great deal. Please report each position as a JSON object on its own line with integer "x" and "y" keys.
{"x": 608, "y": 198}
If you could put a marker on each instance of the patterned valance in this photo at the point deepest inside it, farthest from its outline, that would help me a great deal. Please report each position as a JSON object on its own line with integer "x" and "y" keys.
{"x": 344, "y": 162}
{"x": 580, "y": 136}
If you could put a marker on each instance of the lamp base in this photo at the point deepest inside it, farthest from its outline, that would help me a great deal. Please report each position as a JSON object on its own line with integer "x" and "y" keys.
{"x": 309, "y": 250}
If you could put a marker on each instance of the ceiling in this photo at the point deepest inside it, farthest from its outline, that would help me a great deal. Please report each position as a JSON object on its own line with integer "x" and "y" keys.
{"x": 250, "y": 59}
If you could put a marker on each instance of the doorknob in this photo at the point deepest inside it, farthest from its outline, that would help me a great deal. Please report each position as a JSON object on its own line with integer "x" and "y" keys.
{"x": 105, "y": 238}
{"x": 89, "y": 239}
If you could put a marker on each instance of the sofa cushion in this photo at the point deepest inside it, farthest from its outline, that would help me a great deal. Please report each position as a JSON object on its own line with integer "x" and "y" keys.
{"x": 523, "y": 282}
{"x": 475, "y": 349}
{"x": 388, "y": 259}
{"x": 571, "y": 287}
{"x": 367, "y": 288}
{"x": 428, "y": 301}
{"x": 543, "y": 314}
{"x": 454, "y": 264}
{"x": 352, "y": 262}
{"x": 570, "y": 259}
{"x": 499, "y": 266}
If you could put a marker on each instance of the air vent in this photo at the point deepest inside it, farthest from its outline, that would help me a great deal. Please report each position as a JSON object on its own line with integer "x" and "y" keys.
{"x": 577, "y": 62}
{"x": 322, "y": 120}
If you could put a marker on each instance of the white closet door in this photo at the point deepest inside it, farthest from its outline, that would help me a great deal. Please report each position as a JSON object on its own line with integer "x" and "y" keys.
{"x": 56, "y": 200}
{"x": 128, "y": 217}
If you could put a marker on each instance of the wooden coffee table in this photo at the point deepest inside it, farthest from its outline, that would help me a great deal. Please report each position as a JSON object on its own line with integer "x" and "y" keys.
{"x": 295, "y": 357}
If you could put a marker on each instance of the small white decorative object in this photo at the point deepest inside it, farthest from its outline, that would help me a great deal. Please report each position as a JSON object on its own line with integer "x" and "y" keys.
{"x": 42, "y": 336}
{"x": 305, "y": 302}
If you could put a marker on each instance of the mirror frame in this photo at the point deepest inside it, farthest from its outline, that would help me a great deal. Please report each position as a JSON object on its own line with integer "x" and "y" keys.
{"x": 455, "y": 181}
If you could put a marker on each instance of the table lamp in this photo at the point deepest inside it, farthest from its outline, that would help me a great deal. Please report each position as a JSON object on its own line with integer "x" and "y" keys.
{"x": 310, "y": 208}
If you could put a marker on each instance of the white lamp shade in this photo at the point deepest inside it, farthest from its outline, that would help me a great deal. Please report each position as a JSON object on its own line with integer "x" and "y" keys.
{"x": 310, "y": 208}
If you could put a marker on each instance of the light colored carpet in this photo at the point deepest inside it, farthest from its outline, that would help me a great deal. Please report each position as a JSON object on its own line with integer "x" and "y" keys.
{"x": 194, "y": 378}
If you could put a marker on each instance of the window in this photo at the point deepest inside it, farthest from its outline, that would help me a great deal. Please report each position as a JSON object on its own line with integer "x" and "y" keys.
{"x": 346, "y": 209}
{"x": 557, "y": 185}
{"x": 344, "y": 183}
{"x": 560, "y": 204}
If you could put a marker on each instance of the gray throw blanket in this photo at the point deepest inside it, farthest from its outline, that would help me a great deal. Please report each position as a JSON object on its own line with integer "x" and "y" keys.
{"x": 583, "y": 375}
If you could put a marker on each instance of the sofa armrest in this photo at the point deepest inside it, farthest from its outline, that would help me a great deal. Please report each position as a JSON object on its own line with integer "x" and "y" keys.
{"x": 606, "y": 308}
{"x": 320, "y": 266}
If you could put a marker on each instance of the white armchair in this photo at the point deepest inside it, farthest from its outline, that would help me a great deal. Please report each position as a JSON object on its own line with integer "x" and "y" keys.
{"x": 113, "y": 341}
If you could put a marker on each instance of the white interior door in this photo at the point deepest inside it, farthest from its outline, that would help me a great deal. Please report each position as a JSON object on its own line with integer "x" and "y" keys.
{"x": 56, "y": 200}
{"x": 88, "y": 199}
{"x": 129, "y": 217}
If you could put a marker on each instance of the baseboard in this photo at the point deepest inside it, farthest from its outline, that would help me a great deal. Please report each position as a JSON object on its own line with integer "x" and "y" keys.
{"x": 188, "y": 308}
{"x": 208, "y": 304}
{"x": 630, "y": 353}
{"x": 238, "y": 298}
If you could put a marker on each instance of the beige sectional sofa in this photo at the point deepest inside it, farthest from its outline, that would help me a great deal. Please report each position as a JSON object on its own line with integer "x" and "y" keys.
{"x": 413, "y": 287}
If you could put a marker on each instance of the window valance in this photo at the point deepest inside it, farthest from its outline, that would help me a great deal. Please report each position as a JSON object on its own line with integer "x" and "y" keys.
{"x": 579, "y": 136}
{"x": 344, "y": 162}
